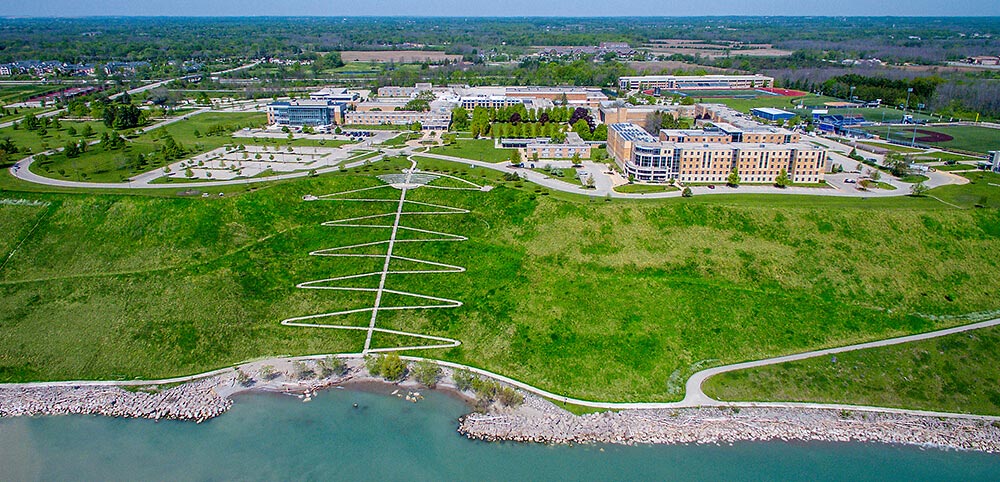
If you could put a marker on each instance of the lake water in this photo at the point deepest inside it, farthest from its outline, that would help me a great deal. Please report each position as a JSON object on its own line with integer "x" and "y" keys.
{"x": 275, "y": 437}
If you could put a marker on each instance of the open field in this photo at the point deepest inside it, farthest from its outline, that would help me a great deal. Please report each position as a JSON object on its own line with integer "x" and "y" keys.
{"x": 955, "y": 167}
{"x": 982, "y": 191}
{"x": 776, "y": 101}
{"x": 965, "y": 138}
{"x": 594, "y": 299}
{"x": 644, "y": 188}
{"x": 475, "y": 149}
{"x": 953, "y": 373}
{"x": 653, "y": 67}
{"x": 33, "y": 141}
{"x": 880, "y": 114}
{"x": 712, "y": 50}
{"x": 11, "y": 94}
{"x": 398, "y": 56}
{"x": 100, "y": 165}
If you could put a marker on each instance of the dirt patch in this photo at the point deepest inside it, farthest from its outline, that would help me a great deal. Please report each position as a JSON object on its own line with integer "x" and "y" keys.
{"x": 931, "y": 137}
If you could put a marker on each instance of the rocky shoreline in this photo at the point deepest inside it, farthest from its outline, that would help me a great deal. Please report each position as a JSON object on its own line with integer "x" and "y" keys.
{"x": 539, "y": 421}
{"x": 536, "y": 420}
{"x": 194, "y": 401}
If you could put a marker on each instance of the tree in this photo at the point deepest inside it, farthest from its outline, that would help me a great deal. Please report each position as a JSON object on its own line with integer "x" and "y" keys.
{"x": 87, "y": 131}
{"x": 782, "y": 180}
{"x": 416, "y": 126}
{"x": 589, "y": 183}
{"x": 576, "y": 159}
{"x": 687, "y": 192}
{"x": 418, "y": 105}
{"x": 331, "y": 365}
{"x": 463, "y": 379}
{"x": 600, "y": 133}
{"x": 734, "y": 178}
{"x": 459, "y": 119}
{"x": 71, "y": 131}
{"x": 268, "y": 372}
{"x": 427, "y": 373}
{"x": 388, "y": 366}
{"x": 71, "y": 150}
{"x": 515, "y": 156}
{"x": 918, "y": 189}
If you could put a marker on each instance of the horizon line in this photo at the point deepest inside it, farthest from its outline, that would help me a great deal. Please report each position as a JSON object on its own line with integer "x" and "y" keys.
{"x": 99, "y": 16}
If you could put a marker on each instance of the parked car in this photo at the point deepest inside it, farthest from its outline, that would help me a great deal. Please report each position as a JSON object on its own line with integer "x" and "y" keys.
{"x": 711, "y": 186}
{"x": 850, "y": 181}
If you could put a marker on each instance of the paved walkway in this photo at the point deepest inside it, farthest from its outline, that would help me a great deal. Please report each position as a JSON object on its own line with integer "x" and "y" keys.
{"x": 410, "y": 179}
{"x": 694, "y": 398}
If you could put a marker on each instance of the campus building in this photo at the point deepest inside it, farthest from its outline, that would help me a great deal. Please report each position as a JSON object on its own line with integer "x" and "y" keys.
{"x": 306, "y": 112}
{"x": 543, "y": 148}
{"x": 427, "y": 120}
{"x": 336, "y": 94}
{"x": 772, "y": 114}
{"x": 696, "y": 82}
{"x": 646, "y": 158}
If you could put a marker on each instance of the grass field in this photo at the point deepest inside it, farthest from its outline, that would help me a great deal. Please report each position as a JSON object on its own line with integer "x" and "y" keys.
{"x": 11, "y": 94}
{"x": 101, "y": 165}
{"x": 644, "y": 188}
{"x": 585, "y": 297}
{"x": 34, "y": 142}
{"x": 881, "y": 114}
{"x": 955, "y": 167}
{"x": 953, "y": 373}
{"x": 892, "y": 147}
{"x": 965, "y": 138}
{"x": 475, "y": 149}
{"x": 982, "y": 191}
{"x": 780, "y": 102}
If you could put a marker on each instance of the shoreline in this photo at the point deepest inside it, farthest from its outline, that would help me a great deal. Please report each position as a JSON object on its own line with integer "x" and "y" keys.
{"x": 536, "y": 420}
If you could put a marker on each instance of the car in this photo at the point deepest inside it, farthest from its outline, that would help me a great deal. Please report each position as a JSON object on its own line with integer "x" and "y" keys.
{"x": 850, "y": 181}
{"x": 711, "y": 186}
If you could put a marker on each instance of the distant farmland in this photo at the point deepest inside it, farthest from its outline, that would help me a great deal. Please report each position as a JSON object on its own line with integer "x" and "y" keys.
{"x": 398, "y": 56}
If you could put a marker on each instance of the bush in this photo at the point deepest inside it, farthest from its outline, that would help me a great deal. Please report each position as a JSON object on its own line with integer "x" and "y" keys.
{"x": 331, "y": 365}
{"x": 427, "y": 373}
{"x": 687, "y": 192}
{"x": 389, "y": 367}
{"x": 302, "y": 371}
{"x": 463, "y": 379}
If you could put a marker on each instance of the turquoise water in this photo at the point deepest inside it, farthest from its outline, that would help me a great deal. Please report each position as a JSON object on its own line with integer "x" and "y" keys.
{"x": 273, "y": 437}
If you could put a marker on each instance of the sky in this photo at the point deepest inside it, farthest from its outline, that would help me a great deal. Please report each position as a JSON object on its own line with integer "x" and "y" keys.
{"x": 557, "y": 8}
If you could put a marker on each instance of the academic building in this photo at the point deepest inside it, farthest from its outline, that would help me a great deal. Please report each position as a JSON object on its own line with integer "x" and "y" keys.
{"x": 696, "y": 82}
{"x": 306, "y": 112}
{"x": 691, "y": 156}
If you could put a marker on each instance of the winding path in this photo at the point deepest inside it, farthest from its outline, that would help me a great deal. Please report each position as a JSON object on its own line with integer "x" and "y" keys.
{"x": 410, "y": 179}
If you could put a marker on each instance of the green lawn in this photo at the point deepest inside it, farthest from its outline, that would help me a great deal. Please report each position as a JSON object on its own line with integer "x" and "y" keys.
{"x": 955, "y": 167}
{"x": 587, "y": 297}
{"x": 881, "y": 114}
{"x": 11, "y": 94}
{"x": 982, "y": 191}
{"x": 401, "y": 140}
{"x": 965, "y": 138}
{"x": 475, "y": 149}
{"x": 914, "y": 178}
{"x": 953, "y": 373}
{"x": 893, "y": 147}
{"x": 100, "y": 165}
{"x": 779, "y": 102}
{"x": 644, "y": 188}
{"x": 34, "y": 142}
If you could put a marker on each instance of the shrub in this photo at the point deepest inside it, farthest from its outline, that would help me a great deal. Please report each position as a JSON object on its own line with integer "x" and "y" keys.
{"x": 389, "y": 367}
{"x": 331, "y": 365}
{"x": 463, "y": 379}
{"x": 427, "y": 373}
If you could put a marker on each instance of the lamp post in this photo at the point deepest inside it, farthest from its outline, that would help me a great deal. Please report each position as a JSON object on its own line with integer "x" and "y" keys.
{"x": 852, "y": 94}
{"x": 908, "y": 92}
